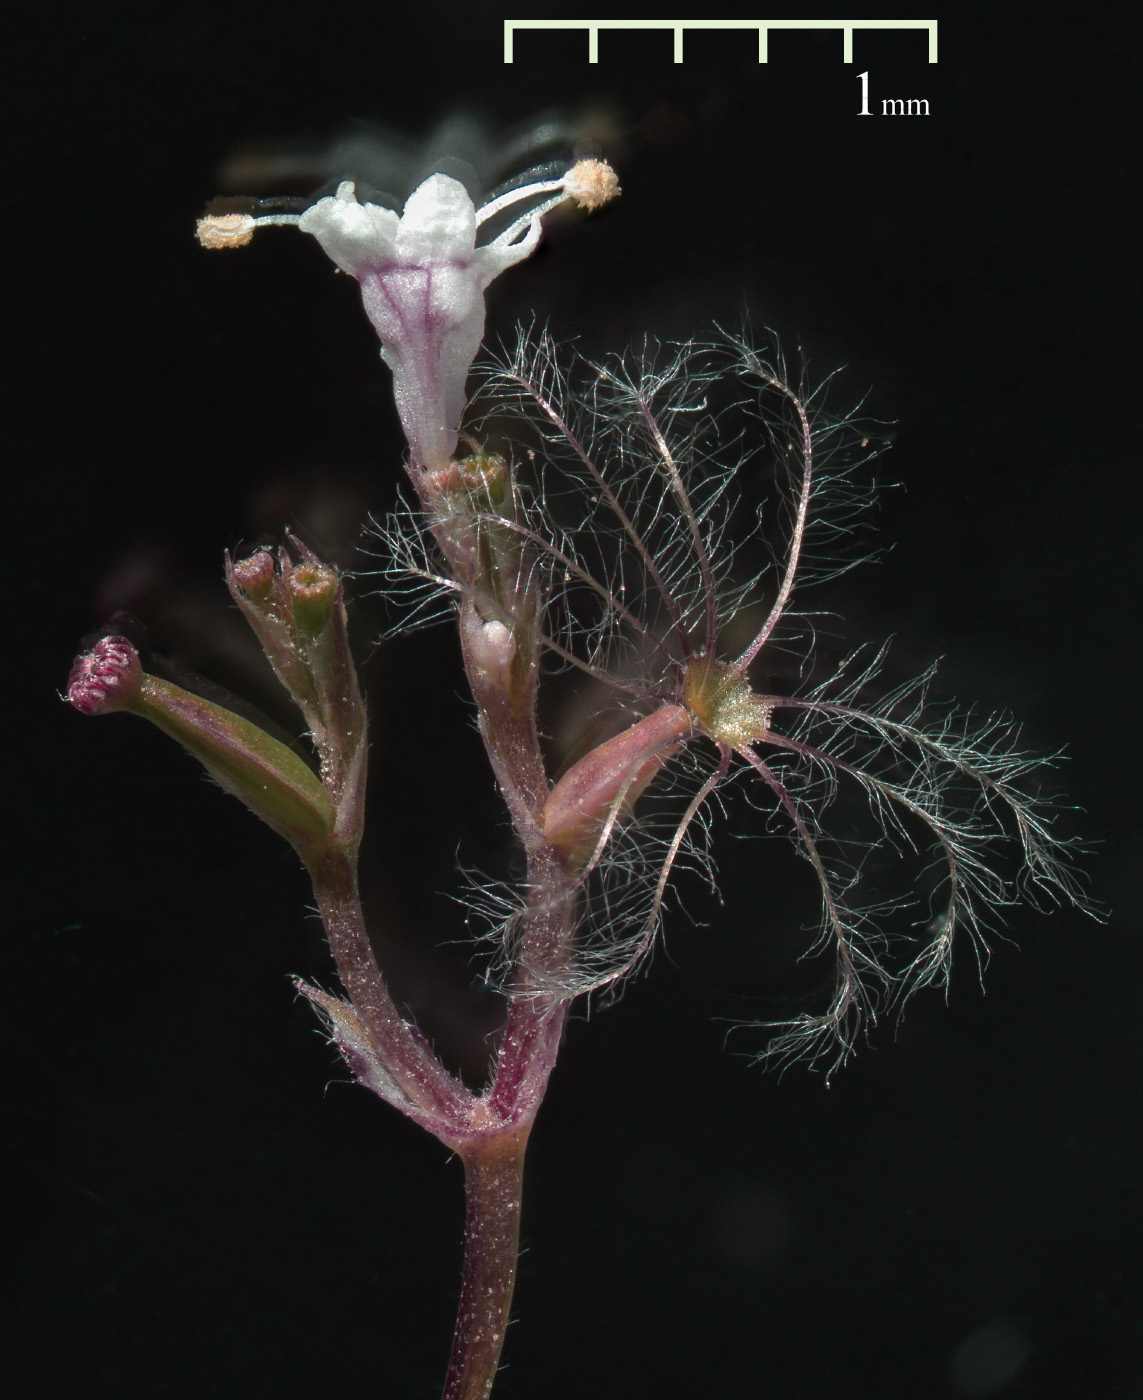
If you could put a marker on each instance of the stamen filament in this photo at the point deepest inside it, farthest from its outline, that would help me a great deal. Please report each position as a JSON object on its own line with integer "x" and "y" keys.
{"x": 509, "y": 197}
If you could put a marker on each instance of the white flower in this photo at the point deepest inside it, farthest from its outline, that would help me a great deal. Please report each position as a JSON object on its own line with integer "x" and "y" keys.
{"x": 423, "y": 279}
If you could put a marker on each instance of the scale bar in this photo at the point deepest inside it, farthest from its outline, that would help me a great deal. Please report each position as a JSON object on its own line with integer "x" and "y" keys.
{"x": 678, "y": 26}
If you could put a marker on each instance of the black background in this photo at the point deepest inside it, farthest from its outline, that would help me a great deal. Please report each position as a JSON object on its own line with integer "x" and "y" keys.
{"x": 203, "y": 1207}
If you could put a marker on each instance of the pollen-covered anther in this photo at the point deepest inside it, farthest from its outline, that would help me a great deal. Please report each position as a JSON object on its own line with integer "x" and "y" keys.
{"x": 225, "y": 230}
{"x": 723, "y": 704}
{"x": 591, "y": 183}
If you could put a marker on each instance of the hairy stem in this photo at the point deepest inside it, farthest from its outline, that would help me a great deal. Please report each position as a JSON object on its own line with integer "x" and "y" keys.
{"x": 493, "y": 1172}
{"x": 504, "y": 688}
{"x": 406, "y": 1056}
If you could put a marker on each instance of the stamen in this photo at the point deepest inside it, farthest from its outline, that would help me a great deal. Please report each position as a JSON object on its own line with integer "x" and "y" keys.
{"x": 509, "y": 197}
{"x": 235, "y": 230}
{"x": 530, "y": 222}
{"x": 225, "y": 230}
{"x": 591, "y": 183}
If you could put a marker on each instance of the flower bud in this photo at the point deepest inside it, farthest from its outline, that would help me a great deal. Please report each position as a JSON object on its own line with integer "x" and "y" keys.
{"x": 294, "y": 605}
{"x": 271, "y": 779}
{"x": 313, "y": 588}
{"x": 476, "y": 485}
{"x": 606, "y": 783}
{"x": 255, "y": 575}
{"x": 490, "y": 651}
{"x": 106, "y": 678}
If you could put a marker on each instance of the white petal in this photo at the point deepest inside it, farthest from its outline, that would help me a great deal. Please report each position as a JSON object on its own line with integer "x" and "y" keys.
{"x": 358, "y": 237}
{"x": 439, "y": 222}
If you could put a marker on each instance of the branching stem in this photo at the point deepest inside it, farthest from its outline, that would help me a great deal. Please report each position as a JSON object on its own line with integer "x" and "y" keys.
{"x": 407, "y": 1056}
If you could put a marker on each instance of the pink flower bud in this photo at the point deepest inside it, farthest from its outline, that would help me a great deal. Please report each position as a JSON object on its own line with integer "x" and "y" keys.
{"x": 255, "y": 574}
{"x": 106, "y": 678}
{"x": 607, "y": 782}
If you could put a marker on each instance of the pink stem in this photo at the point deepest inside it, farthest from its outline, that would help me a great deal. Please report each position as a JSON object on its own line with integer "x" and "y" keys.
{"x": 493, "y": 1171}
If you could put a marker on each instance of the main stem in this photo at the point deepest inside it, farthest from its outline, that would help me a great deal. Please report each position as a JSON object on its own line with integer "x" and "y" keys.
{"x": 493, "y": 1173}
{"x": 502, "y": 664}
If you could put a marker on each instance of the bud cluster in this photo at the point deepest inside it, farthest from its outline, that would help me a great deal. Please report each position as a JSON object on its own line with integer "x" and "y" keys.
{"x": 296, "y": 607}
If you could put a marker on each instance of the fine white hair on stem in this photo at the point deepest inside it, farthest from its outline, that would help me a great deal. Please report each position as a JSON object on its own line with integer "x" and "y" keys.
{"x": 619, "y": 895}
{"x": 410, "y": 575}
{"x": 624, "y": 887}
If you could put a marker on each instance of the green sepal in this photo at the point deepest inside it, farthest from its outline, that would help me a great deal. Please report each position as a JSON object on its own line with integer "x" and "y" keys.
{"x": 271, "y": 779}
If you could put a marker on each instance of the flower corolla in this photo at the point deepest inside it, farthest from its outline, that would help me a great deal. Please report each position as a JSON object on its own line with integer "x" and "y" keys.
{"x": 423, "y": 279}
